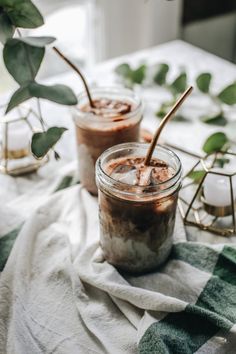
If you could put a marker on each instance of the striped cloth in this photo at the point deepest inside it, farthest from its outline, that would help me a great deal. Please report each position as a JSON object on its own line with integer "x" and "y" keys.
{"x": 58, "y": 295}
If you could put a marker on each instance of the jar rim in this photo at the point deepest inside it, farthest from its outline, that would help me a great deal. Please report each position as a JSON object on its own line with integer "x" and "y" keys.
{"x": 115, "y": 90}
{"x": 171, "y": 183}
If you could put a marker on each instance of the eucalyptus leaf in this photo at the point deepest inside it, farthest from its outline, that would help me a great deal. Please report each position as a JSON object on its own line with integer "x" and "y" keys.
{"x": 131, "y": 76}
{"x": 22, "y": 60}
{"x": 161, "y": 113}
{"x": 180, "y": 118}
{"x": 57, "y": 93}
{"x": 228, "y": 95}
{"x": 203, "y": 82}
{"x": 221, "y": 162}
{"x": 217, "y": 119}
{"x": 44, "y": 141}
{"x": 123, "y": 70}
{"x": 22, "y": 13}
{"x": 196, "y": 176}
{"x": 20, "y": 96}
{"x": 6, "y": 28}
{"x": 160, "y": 75}
{"x": 138, "y": 75}
{"x": 215, "y": 142}
{"x": 37, "y": 41}
{"x": 179, "y": 84}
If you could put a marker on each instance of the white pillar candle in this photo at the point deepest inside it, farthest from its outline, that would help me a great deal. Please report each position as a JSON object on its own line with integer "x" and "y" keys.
{"x": 18, "y": 136}
{"x": 217, "y": 189}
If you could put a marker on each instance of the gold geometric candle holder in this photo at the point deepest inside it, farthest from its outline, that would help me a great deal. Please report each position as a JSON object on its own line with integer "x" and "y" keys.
{"x": 209, "y": 204}
{"x": 16, "y": 157}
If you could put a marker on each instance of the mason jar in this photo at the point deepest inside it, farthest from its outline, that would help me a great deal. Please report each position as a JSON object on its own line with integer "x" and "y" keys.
{"x": 137, "y": 222}
{"x": 99, "y": 129}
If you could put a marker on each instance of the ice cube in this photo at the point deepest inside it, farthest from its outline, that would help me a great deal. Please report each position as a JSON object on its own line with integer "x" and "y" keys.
{"x": 123, "y": 169}
{"x": 129, "y": 177}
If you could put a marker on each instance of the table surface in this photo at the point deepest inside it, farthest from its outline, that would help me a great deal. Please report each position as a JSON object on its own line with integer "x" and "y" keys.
{"x": 179, "y": 55}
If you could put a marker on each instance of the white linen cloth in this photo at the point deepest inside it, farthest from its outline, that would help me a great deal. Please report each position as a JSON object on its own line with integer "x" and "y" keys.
{"x": 58, "y": 295}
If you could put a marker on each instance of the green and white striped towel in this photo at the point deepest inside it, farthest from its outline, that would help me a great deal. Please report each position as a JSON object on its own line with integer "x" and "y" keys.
{"x": 58, "y": 295}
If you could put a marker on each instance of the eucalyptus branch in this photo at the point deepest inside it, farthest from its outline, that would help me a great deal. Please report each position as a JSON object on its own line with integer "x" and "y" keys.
{"x": 78, "y": 72}
{"x": 40, "y": 116}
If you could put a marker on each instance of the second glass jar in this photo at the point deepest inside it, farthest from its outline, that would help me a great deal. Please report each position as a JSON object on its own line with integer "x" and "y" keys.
{"x": 98, "y": 130}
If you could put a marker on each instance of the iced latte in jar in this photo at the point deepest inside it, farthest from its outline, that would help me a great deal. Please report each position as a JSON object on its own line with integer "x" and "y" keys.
{"x": 137, "y": 205}
{"x": 115, "y": 118}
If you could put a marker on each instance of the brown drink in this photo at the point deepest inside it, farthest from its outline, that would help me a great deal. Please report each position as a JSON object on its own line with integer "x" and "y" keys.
{"x": 115, "y": 119}
{"x": 137, "y": 205}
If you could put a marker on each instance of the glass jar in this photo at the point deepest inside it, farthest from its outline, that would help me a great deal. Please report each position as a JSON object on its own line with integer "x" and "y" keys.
{"x": 95, "y": 133}
{"x": 137, "y": 223}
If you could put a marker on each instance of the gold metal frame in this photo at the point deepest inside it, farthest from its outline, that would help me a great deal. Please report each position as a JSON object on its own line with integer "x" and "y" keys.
{"x": 7, "y": 155}
{"x": 203, "y": 207}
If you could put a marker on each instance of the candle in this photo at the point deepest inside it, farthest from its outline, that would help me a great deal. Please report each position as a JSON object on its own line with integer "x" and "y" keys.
{"x": 217, "y": 190}
{"x": 18, "y": 136}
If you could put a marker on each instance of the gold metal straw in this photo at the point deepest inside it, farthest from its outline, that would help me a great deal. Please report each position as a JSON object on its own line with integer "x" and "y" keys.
{"x": 167, "y": 117}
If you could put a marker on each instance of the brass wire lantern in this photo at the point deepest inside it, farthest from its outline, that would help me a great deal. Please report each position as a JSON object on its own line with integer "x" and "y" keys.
{"x": 16, "y": 158}
{"x": 194, "y": 206}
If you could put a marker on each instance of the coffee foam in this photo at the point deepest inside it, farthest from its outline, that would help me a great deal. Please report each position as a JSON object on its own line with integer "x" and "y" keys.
{"x": 131, "y": 170}
{"x": 109, "y": 108}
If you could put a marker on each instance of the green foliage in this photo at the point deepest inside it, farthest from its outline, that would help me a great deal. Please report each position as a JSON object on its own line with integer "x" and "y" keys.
{"x": 123, "y": 70}
{"x": 43, "y": 142}
{"x": 40, "y": 42}
{"x": 221, "y": 162}
{"x": 20, "y": 96}
{"x": 228, "y": 95}
{"x": 179, "y": 85}
{"x": 138, "y": 75}
{"x": 23, "y": 57}
{"x": 161, "y": 74}
{"x": 57, "y": 93}
{"x": 6, "y": 28}
{"x": 17, "y": 54}
{"x": 218, "y": 119}
{"x": 196, "y": 176}
{"x": 215, "y": 142}
{"x": 203, "y": 82}
{"x": 22, "y": 13}
{"x": 131, "y": 76}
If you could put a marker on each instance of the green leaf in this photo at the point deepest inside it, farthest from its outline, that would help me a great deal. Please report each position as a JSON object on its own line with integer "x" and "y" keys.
{"x": 20, "y": 96}
{"x": 57, "y": 93}
{"x": 160, "y": 75}
{"x": 221, "y": 162}
{"x": 228, "y": 95}
{"x": 217, "y": 119}
{"x": 180, "y": 118}
{"x": 196, "y": 176}
{"x": 179, "y": 84}
{"x": 215, "y": 142}
{"x": 123, "y": 70}
{"x": 6, "y": 28}
{"x": 139, "y": 74}
{"x": 131, "y": 76}
{"x": 203, "y": 82}
{"x": 43, "y": 142}
{"x": 22, "y": 13}
{"x": 22, "y": 60}
{"x": 37, "y": 41}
